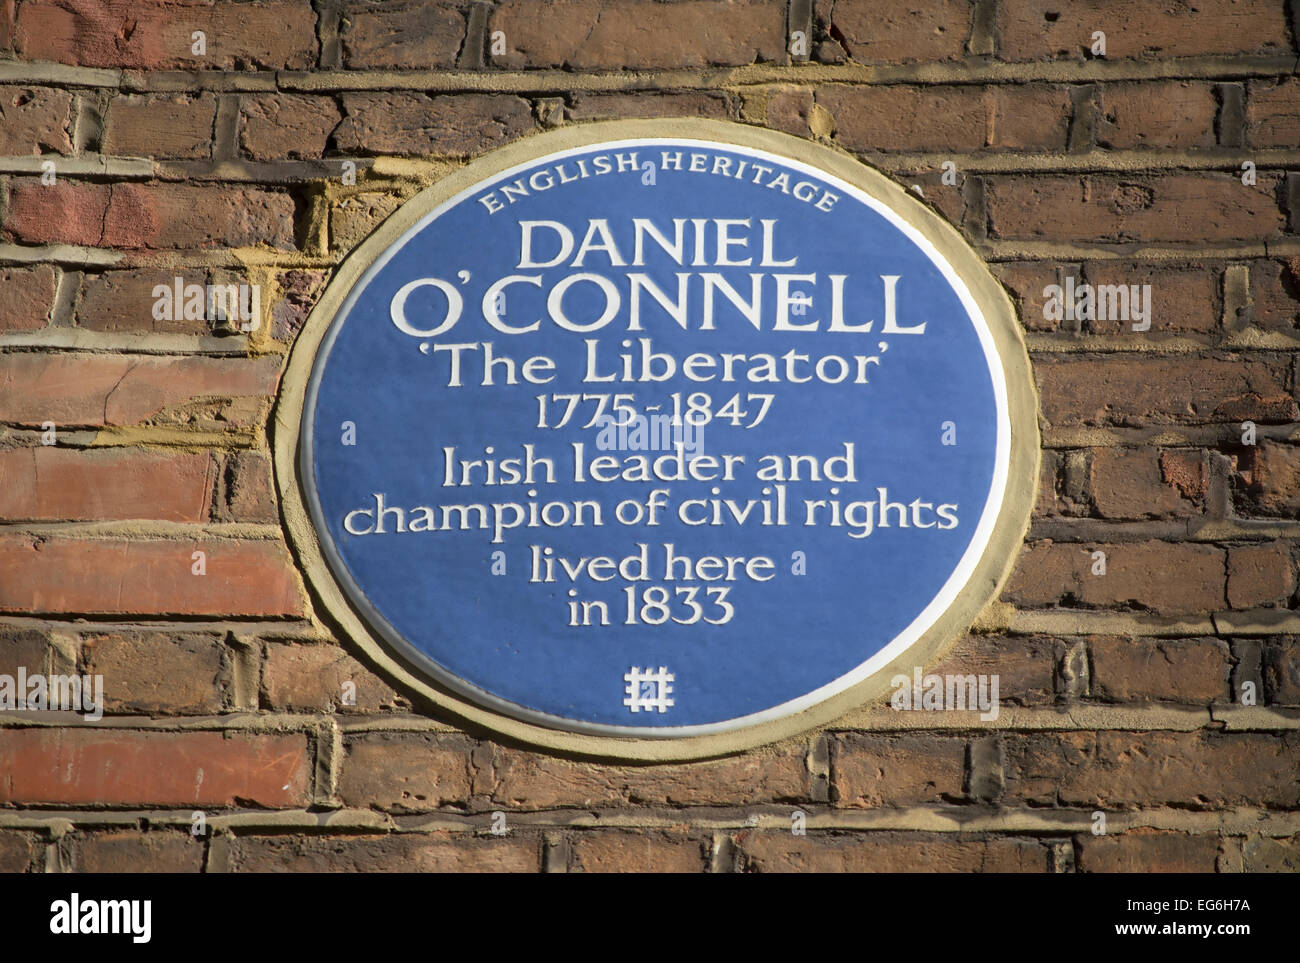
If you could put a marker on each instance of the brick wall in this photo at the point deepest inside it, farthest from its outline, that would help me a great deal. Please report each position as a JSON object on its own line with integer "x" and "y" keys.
{"x": 1122, "y": 693}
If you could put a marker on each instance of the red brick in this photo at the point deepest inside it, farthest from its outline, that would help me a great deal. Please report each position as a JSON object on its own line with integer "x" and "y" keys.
{"x": 432, "y": 853}
{"x": 1049, "y": 29}
{"x": 249, "y": 493}
{"x": 26, "y": 296}
{"x": 25, "y": 648}
{"x": 889, "y": 853}
{"x": 618, "y": 852}
{"x": 1181, "y": 298}
{"x": 1163, "y": 577}
{"x": 525, "y": 780}
{"x": 1156, "y": 114}
{"x": 134, "y": 216}
{"x": 139, "y": 577}
{"x": 309, "y": 678}
{"x": 1025, "y": 283}
{"x": 897, "y": 31}
{"x": 1024, "y": 665}
{"x": 1275, "y": 292}
{"x": 408, "y": 123}
{"x": 405, "y": 772}
{"x": 274, "y": 127}
{"x": 1109, "y": 770}
{"x": 34, "y": 120}
{"x": 1131, "y": 483}
{"x": 948, "y": 118}
{"x": 1261, "y": 575}
{"x": 124, "y": 301}
{"x": 1148, "y": 851}
{"x": 616, "y": 106}
{"x": 130, "y": 851}
{"x": 157, "y": 672}
{"x": 95, "y": 389}
{"x": 422, "y": 34}
{"x": 790, "y": 108}
{"x": 1265, "y": 855}
{"x": 1273, "y": 113}
{"x": 267, "y": 35}
{"x": 49, "y": 483}
{"x": 635, "y": 34}
{"x": 871, "y": 771}
{"x": 164, "y": 125}
{"x": 1271, "y": 472}
{"x": 300, "y": 291}
{"x": 16, "y": 852}
{"x": 125, "y": 768}
{"x": 1168, "y": 670}
{"x": 1204, "y": 208}
{"x": 1160, "y": 390}
{"x": 1281, "y": 669}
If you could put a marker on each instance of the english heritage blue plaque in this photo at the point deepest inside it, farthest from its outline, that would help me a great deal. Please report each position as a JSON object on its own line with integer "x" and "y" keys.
{"x": 658, "y": 436}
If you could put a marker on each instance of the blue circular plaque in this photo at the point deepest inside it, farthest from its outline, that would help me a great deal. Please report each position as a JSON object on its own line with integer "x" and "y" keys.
{"x": 662, "y": 435}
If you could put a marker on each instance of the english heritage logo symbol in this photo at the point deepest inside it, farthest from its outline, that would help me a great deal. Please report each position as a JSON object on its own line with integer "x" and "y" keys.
{"x": 477, "y": 387}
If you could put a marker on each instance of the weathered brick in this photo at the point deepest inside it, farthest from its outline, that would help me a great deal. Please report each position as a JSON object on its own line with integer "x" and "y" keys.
{"x": 897, "y": 31}
{"x": 1181, "y": 298}
{"x": 703, "y": 103}
{"x": 124, "y": 768}
{"x": 128, "y": 851}
{"x": 528, "y": 780}
{"x": 157, "y": 672}
{"x": 299, "y": 678}
{"x": 634, "y": 34}
{"x": 133, "y": 216}
{"x": 1275, "y": 292}
{"x": 406, "y": 772}
{"x": 143, "y": 577}
{"x": 1137, "y": 574}
{"x": 267, "y": 35}
{"x": 84, "y": 389}
{"x": 1273, "y": 113}
{"x": 1049, "y": 30}
{"x": 47, "y": 483}
{"x": 1162, "y": 114}
{"x": 26, "y": 296}
{"x": 1281, "y": 670}
{"x": 123, "y": 301}
{"x": 279, "y": 126}
{"x": 299, "y": 292}
{"x": 23, "y": 648}
{"x": 1271, "y": 474}
{"x": 1107, "y": 770}
{"x": 889, "y": 853}
{"x": 1169, "y": 670}
{"x": 1266, "y": 855}
{"x": 871, "y": 771}
{"x": 1148, "y": 851}
{"x": 16, "y": 851}
{"x": 1134, "y": 483}
{"x": 411, "y": 123}
{"x": 1159, "y": 390}
{"x": 417, "y": 34}
{"x": 163, "y": 125}
{"x": 1024, "y": 665}
{"x": 432, "y": 853}
{"x": 641, "y": 852}
{"x": 948, "y": 118}
{"x": 247, "y": 489}
{"x": 1261, "y": 575}
{"x": 1026, "y": 283}
{"x": 34, "y": 120}
{"x": 1203, "y": 208}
